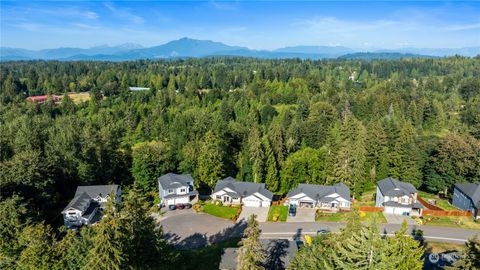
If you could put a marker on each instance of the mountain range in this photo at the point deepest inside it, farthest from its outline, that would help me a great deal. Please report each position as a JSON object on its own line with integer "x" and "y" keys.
{"x": 186, "y": 47}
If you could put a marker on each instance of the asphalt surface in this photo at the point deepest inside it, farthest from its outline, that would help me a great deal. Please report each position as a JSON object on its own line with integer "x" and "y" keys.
{"x": 191, "y": 230}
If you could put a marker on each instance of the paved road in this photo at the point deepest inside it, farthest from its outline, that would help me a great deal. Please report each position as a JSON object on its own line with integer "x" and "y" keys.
{"x": 439, "y": 234}
{"x": 192, "y": 230}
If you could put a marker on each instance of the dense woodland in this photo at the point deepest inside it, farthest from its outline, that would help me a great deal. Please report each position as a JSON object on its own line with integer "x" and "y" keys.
{"x": 281, "y": 122}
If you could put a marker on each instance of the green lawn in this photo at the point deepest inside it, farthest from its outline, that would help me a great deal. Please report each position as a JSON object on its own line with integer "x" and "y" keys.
{"x": 280, "y": 210}
{"x": 342, "y": 217}
{"x": 207, "y": 258}
{"x": 456, "y": 222}
{"x": 442, "y": 203}
{"x": 226, "y": 212}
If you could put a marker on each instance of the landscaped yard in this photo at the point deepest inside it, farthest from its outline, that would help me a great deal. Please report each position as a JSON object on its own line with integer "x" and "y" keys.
{"x": 204, "y": 258}
{"x": 278, "y": 213}
{"x": 440, "y": 202}
{"x": 367, "y": 217}
{"x": 457, "y": 222}
{"x": 221, "y": 211}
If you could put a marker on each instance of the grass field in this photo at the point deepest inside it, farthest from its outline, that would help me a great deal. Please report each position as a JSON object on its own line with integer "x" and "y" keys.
{"x": 457, "y": 222}
{"x": 442, "y": 203}
{"x": 207, "y": 258}
{"x": 439, "y": 247}
{"x": 366, "y": 217}
{"x": 226, "y": 212}
{"x": 79, "y": 97}
{"x": 280, "y": 210}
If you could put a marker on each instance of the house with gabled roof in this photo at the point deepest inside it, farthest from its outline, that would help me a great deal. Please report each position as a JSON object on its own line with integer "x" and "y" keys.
{"x": 466, "y": 196}
{"x": 84, "y": 208}
{"x": 331, "y": 198}
{"x": 231, "y": 191}
{"x": 176, "y": 188}
{"x": 397, "y": 197}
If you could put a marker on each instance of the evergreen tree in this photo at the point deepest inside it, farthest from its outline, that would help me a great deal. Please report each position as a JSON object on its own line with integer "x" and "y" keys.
{"x": 251, "y": 254}
{"x": 210, "y": 166}
{"x": 37, "y": 254}
{"x": 271, "y": 178}
{"x": 405, "y": 253}
{"x": 256, "y": 154}
{"x": 471, "y": 256}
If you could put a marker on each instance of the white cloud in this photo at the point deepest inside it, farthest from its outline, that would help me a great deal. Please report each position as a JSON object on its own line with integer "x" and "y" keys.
{"x": 124, "y": 14}
{"x": 90, "y": 15}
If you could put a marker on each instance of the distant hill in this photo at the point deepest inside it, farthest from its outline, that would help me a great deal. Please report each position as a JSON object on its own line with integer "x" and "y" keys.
{"x": 382, "y": 56}
{"x": 187, "y": 47}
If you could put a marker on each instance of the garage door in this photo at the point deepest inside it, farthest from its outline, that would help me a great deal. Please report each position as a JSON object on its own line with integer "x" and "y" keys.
{"x": 389, "y": 210}
{"x": 252, "y": 203}
{"x": 400, "y": 211}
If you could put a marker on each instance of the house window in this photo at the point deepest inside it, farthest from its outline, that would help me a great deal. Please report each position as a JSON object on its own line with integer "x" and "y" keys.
{"x": 219, "y": 197}
{"x": 170, "y": 191}
{"x": 182, "y": 190}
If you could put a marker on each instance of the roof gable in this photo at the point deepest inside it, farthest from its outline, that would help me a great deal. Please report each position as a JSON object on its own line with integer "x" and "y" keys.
{"x": 172, "y": 180}
{"x": 243, "y": 189}
{"x": 317, "y": 192}
{"x": 395, "y": 188}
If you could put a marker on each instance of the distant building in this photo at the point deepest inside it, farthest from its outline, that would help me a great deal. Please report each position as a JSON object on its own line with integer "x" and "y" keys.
{"x": 176, "y": 188}
{"x": 397, "y": 197}
{"x": 279, "y": 253}
{"x": 231, "y": 191}
{"x": 83, "y": 208}
{"x": 138, "y": 88}
{"x": 43, "y": 99}
{"x": 466, "y": 196}
{"x": 329, "y": 198}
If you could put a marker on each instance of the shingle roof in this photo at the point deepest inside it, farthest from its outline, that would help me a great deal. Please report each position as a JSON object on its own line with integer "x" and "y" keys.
{"x": 279, "y": 253}
{"x": 94, "y": 191}
{"x": 172, "y": 180}
{"x": 318, "y": 192}
{"x": 85, "y": 194}
{"x": 393, "y": 187}
{"x": 243, "y": 189}
{"x": 472, "y": 190}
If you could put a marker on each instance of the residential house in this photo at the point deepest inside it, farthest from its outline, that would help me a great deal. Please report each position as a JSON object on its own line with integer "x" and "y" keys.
{"x": 176, "y": 188}
{"x": 279, "y": 253}
{"x": 83, "y": 209}
{"x": 330, "y": 198}
{"x": 466, "y": 196}
{"x": 229, "y": 190}
{"x": 399, "y": 198}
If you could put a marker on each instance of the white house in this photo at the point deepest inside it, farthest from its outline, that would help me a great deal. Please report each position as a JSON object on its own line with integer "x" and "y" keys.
{"x": 331, "y": 198}
{"x": 229, "y": 190}
{"x": 398, "y": 198}
{"x": 176, "y": 188}
{"x": 83, "y": 208}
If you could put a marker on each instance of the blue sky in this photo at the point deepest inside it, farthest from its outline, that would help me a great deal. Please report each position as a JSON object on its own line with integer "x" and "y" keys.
{"x": 254, "y": 24}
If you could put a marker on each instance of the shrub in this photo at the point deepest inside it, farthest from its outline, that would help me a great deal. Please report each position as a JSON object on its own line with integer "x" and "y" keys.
{"x": 275, "y": 217}
{"x": 219, "y": 203}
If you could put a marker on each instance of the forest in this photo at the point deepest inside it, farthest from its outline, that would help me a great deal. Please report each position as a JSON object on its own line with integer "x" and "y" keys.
{"x": 281, "y": 122}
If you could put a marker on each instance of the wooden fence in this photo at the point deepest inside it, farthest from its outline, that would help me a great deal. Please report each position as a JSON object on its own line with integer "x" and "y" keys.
{"x": 281, "y": 202}
{"x": 370, "y": 209}
{"x": 428, "y": 205}
{"x": 447, "y": 213}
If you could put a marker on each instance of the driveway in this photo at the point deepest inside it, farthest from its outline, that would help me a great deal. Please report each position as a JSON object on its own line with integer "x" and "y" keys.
{"x": 247, "y": 211}
{"x": 188, "y": 230}
{"x": 398, "y": 219}
{"x": 303, "y": 215}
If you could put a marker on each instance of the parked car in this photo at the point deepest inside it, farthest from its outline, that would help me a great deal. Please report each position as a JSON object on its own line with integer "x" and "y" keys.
{"x": 187, "y": 205}
{"x": 180, "y": 206}
{"x": 172, "y": 207}
{"x": 292, "y": 210}
{"x": 323, "y": 231}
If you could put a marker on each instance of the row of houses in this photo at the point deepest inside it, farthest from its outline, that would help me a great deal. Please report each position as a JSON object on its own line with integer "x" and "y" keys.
{"x": 395, "y": 197}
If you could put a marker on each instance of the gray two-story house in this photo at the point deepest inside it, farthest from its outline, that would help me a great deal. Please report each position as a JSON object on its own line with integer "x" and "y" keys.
{"x": 83, "y": 209}
{"x": 397, "y": 197}
{"x": 176, "y": 188}
{"x": 466, "y": 196}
